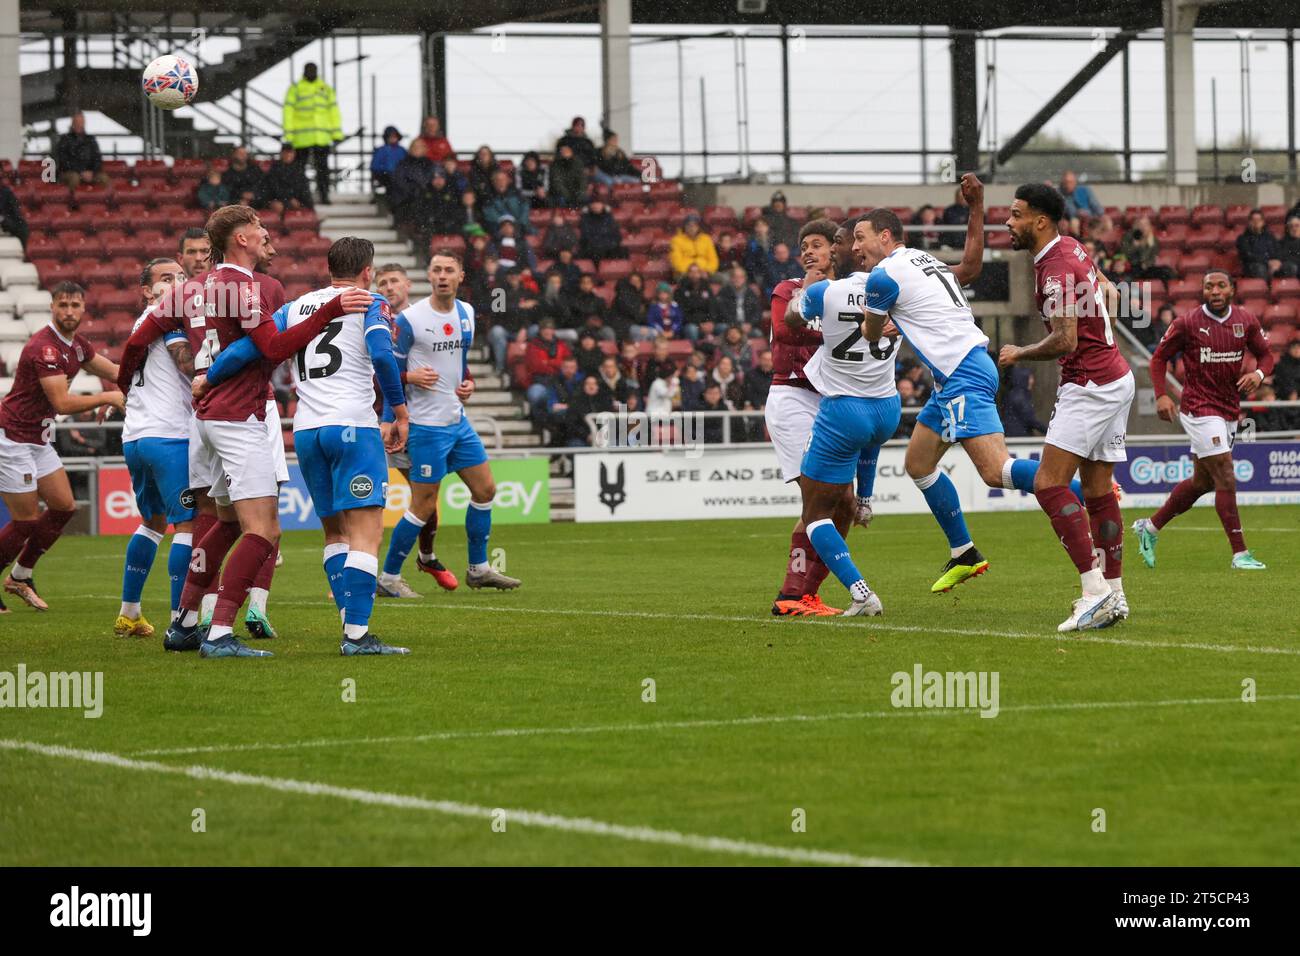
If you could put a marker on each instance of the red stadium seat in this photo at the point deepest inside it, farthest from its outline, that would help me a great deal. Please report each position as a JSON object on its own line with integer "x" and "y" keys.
{"x": 997, "y": 239}
{"x": 1252, "y": 288}
{"x": 1173, "y": 215}
{"x": 44, "y": 247}
{"x": 1207, "y": 216}
{"x": 101, "y": 272}
{"x": 1279, "y": 313}
{"x": 133, "y": 197}
{"x": 1226, "y": 260}
{"x": 301, "y": 219}
{"x": 1207, "y": 237}
{"x": 1197, "y": 262}
{"x": 1286, "y": 289}
{"x": 1258, "y": 306}
{"x": 611, "y": 270}
{"x": 1274, "y": 215}
{"x": 1172, "y": 237}
{"x": 1169, "y": 259}
{"x": 1235, "y": 216}
{"x": 1133, "y": 213}
{"x": 124, "y": 300}
{"x": 1186, "y": 288}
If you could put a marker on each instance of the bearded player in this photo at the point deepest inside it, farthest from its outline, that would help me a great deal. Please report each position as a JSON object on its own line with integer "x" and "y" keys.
{"x": 231, "y": 453}
{"x": 1087, "y": 430}
{"x": 30, "y": 469}
{"x": 1213, "y": 340}
{"x": 395, "y": 285}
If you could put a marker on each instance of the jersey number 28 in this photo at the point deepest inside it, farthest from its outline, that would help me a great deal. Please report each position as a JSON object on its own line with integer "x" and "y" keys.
{"x": 842, "y": 352}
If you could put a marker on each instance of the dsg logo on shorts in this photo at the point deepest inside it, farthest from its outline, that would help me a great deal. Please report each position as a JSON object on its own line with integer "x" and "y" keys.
{"x": 361, "y": 486}
{"x": 187, "y": 498}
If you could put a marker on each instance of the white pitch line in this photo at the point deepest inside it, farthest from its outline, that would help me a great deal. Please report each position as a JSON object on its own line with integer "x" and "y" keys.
{"x": 873, "y": 625}
{"x": 688, "y": 725}
{"x": 527, "y": 818}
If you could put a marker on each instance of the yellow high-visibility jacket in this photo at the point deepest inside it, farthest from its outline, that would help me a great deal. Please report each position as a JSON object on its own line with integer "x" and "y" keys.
{"x": 311, "y": 114}
{"x": 683, "y": 250}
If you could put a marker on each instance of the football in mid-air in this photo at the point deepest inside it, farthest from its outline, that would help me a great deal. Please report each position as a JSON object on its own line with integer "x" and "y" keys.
{"x": 170, "y": 82}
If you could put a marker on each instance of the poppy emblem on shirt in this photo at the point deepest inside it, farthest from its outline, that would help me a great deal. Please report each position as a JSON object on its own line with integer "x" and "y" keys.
{"x": 1239, "y": 330}
{"x": 447, "y": 329}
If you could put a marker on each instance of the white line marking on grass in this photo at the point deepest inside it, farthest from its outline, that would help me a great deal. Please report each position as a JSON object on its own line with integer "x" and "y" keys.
{"x": 1076, "y": 638}
{"x": 528, "y": 818}
{"x": 689, "y": 725}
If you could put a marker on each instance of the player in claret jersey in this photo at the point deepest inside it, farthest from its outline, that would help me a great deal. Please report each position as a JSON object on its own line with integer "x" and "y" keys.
{"x": 1213, "y": 341}
{"x": 1088, "y": 426}
{"x": 231, "y": 453}
{"x": 337, "y": 435}
{"x": 30, "y": 469}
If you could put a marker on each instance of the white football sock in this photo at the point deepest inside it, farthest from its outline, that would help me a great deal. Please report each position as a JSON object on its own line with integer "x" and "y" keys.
{"x": 257, "y": 600}
{"x": 208, "y": 605}
{"x": 218, "y": 631}
{"x": 1093, "y": 582}
{"x": 860, "y": 592}
{"x": 130, "y": 609}
{"x": 480, "y": 568}
{"x": 355, "y": 631}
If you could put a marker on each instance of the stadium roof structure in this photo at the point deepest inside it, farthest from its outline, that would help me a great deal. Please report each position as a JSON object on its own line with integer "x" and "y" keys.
{"x": 446, "y": 15}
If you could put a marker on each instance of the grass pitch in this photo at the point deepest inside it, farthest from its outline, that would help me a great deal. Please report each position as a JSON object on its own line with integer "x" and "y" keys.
{"x": 518, "y": 732}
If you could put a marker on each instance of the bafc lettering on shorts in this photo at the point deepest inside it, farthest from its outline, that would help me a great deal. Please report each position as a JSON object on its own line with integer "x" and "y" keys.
{"x": 361, "y": 486}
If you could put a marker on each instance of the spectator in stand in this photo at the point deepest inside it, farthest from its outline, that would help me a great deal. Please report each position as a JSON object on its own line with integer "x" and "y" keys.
{"x": 468, "y": 212}
{"x": 957, "y": 214}
{"x": 664, "y": 317}
{"x": 455, "y": 178}
{"x": 483, "y": 282}
{"x": 1019, "y": 419}
{"x": 576, "y": 140}
{"x": 915, "y": 373}
{"x": 735, "y": 346}
{"x": 530, "y": 179}
{"x": 627, "y": 312}
{"x": 612, "y": 164}
{"x": 410, "y": 191}
{"x": 910, "y": 399}
{"x": 513, "y": 250}
{"x": 692, "y": 245}
{"x": 570, "y": 275}
{"x": 511, "y": 322}
{"x": 631, "y": 366}
{"x": 478, "y": 249}
{"x": 1288, "y": 250}
{"x": 242, "y": 178}
{"x": 588, "y": 309}
{"x": 384, "y": 160}
{"x": 731, "y": 382}
{"x": 691, "y": 381}
{"x": 285, "y": 184}
{"x": 76, "y": 156}
{"x": 729, "y": 254}
{"x": 695, "y": 298}
{"x": 504, "y": 200}
{"x": 588, "y": 353}
{"x": 782, "y": 266}
{"x": 758, "y": 381}
{"x": 659, "y": 365}
{"x": 612, "y": 380}
{"x": 1151, "y": 334}
{"x": 481, "y": 171}
{"x": 713, "y": 400}
{"x": 782, "y": 225}
{"x": 738, "y": 303}
{"x": 758, "y": 252}
{"x": 568, "y": 185}
{"x": 1137, "y": 253}
{"x": 1080, "y": 200}
{"x": 212, "y": 194}
{"x": 543, "y": 357}
{"x": 564, "y": 388}
{"x": 444, "y": 205}
{"x": 554, "y": 304}
{"x": 1258, "y": 248}
{"x": 1286, "y": 374}
{"x": 559, "y": 235}
{"x": 918, "y": 236}
{"x": 1269, "y": 419}
{"x": 312, "y": 124}
{"x": 664, "y": 394}
{"x": 1102, "y": 259}
{"x": 601, "y": 236}
{"x": 12, "y": 219}
{"x": 592, "y": 399}
{"x": 436, "y": 145}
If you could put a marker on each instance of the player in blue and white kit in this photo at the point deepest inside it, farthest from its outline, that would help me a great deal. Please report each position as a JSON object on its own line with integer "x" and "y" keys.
{"x": 156, "y": 442}
{"x": 337, "y": 435}
{"x": 922, "y": 297}
{"x": 436, "y": 333}
{"x": 859, "y": 411}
